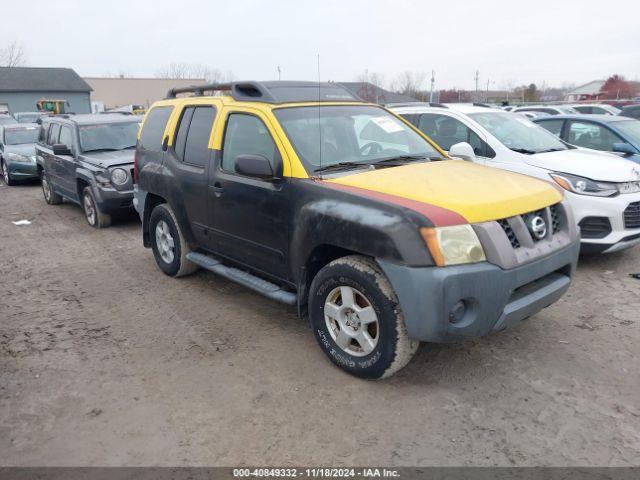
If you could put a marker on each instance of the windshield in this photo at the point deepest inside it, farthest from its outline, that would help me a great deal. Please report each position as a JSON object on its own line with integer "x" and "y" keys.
{"x": 518, "y": 133}
{"x": 631, "y": 129}
{"x": 19, "y": 136}
{"x": 349, "y": 133}
{"x": 7, "y": 120}
{"x": 108, "y": 136}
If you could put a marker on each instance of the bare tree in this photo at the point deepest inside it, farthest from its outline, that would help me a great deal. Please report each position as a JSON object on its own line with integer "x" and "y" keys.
{"x": 373, "y": 78}
{"x": 194, "y": 70}
{"x": 13, "y": 55}
{"x": 409, "y": 83}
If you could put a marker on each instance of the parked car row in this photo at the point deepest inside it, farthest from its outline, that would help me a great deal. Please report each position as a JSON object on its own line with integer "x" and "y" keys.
{"x": 352, "y": 212}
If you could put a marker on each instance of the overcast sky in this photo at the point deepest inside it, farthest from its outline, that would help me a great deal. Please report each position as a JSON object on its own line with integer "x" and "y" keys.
{"x": 513, "y": 42}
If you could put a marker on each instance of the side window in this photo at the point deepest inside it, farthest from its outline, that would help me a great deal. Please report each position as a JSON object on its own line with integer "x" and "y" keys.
{"x": 54, "y": 132}
{"x": 246, "y": 134}
{"x": 180, "y": 139}
{"x": 590, "y": 135}
{"x": 42, "y": 135}
{"x": 447, "y": 131}
{"x": 66, "y": 137}
{"x": 554, "y": 126}
{"x": 196, "y": 149}
{"x": 586, "y": 110}
{"x": 153, "y": 129}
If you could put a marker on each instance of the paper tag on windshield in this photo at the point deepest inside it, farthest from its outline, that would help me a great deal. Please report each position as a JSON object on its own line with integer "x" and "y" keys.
{"x": 387, "y": 124}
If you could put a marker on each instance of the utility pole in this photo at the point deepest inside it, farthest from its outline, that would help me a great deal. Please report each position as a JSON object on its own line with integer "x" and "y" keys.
{"x": 433, "y": 81}
{"x": 279, "y": 73}
{"x": 477, "y": 76}
{"x": 487, "y": 97}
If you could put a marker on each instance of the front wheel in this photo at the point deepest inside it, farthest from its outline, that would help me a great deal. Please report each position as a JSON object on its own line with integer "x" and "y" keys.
{"x": 6, "y": 175}
{"x": 357, "y": 320}
{"x": 94, "y": 216}
{"x": 50, "y": 196}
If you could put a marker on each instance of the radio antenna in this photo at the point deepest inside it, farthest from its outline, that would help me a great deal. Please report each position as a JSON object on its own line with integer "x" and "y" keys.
{"x": 319, "y": 125}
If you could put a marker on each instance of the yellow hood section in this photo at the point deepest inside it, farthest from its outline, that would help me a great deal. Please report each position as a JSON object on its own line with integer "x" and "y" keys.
{"x": 476, "y": 192}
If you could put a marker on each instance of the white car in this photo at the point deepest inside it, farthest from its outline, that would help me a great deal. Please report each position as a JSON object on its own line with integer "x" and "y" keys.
{"x": 548, "y": 109}
{"x": 603, "y": 189}
{"x": 596, "y": 109}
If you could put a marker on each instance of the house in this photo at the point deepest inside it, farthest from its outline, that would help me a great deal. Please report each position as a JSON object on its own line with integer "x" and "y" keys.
{"x": 22, "y": 87}
{"x": 374, "y": 94}
{"x": 588, "y": 91}
{"x": 115, "y": 92}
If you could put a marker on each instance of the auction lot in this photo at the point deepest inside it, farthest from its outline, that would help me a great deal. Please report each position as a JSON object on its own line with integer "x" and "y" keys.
{"x": 106, "y": 361}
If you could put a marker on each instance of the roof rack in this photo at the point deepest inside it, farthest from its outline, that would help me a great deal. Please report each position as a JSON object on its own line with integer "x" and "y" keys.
{"x": 273, "y": 92}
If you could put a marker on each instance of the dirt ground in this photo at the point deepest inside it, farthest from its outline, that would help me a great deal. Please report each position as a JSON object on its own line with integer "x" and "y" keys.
{"x": 106, "y": 361}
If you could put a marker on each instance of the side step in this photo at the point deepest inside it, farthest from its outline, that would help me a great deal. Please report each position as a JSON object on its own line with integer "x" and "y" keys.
{"x": 257, "y": 284}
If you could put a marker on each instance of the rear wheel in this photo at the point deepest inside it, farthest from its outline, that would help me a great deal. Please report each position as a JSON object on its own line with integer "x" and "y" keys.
{"x": 169, "y": 246}
{"x": 357, "y": 320}
{"x": 94, "y": 216}
{"x": 6, "y": 175}
{"x": 51, "y": 197}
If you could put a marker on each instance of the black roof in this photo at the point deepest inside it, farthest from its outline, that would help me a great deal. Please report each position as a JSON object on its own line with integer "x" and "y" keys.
{"x": 28, "y": 79}
{"x": 275, "y": 91}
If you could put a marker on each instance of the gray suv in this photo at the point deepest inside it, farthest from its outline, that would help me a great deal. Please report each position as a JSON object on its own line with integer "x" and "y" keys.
{"x": 88, "y": 160}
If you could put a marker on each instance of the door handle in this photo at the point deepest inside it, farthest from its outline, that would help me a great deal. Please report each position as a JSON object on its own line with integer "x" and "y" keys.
{"x": 217, "y": 188}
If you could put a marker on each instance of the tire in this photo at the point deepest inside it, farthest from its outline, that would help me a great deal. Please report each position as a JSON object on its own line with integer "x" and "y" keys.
{"x": 50, "y": 196}
{"x": 5, "y": 175}
{"x": 169, "y": 246}
{"x": 375, "y": 349}
{"x": 92, "y": 213}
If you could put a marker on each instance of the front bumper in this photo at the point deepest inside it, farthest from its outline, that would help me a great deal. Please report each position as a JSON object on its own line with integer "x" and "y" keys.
{"x": 611, "y": 208}
{"x": 109, "y": 199}
{"x": 494, "y": 298}
{"x": 20, "y": 170}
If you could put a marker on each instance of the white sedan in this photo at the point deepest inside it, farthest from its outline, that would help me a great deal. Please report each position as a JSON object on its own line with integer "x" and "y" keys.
{"x": 603, "y": 189}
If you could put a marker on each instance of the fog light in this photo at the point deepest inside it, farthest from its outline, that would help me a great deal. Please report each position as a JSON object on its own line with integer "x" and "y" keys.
{"x": 457, "y": 312}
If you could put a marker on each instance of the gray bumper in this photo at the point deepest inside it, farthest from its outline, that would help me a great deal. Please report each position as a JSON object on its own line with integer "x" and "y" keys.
{"x": 494, "y": 298}
{"x": 20, "y": 170}
{"x": 139, "y": 199}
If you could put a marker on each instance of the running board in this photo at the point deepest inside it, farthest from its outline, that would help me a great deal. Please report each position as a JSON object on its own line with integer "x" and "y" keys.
{"x": 257, "y": 284}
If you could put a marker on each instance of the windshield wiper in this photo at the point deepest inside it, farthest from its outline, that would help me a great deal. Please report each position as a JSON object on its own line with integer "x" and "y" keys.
{"x": 341, "y": 165}
{"x": 526, "y": 151}
{"x": 552, "y": 150}
{"x": 404, "y": 158}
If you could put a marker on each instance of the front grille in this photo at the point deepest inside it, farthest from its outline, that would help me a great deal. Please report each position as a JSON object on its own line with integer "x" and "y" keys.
{"x": 595, "y": 227}
{"x": 511, "y": 235}
{"x": 523, "y": 230}
{"x": 555, "y": 219}
{"x": 632, "y": 216}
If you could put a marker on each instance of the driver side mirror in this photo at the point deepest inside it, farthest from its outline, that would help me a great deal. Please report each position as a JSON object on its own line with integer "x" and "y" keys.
{"x": 624, "y": 148}
{"x": 61, "y": 149}
{"x": 462, "y": 150}
{"x": 255, "y": 166}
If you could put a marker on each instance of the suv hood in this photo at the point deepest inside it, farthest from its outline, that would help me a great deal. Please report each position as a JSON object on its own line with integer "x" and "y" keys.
{"x": 605, "y": 167}
{"x": 109, "y": 159}
{"x": 474, "y": 192}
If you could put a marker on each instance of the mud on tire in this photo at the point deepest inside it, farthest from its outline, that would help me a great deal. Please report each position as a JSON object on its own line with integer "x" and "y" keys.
{"x": 176, "y": 264}
{"x": 393, "y": 348}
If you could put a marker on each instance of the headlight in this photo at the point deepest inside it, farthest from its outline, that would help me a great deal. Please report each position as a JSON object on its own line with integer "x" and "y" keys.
{"x": 453, "y": 245}
{"x": 119, "y": 176}
{"x": 15, "y": 157}
{"x": 585, "y": 186}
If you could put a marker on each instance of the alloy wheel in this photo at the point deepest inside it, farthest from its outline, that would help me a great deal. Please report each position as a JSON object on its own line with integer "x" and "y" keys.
{"x": 351, "y": 320}
{"x": 89, "y": 210}
{"x": 165, "y": 242}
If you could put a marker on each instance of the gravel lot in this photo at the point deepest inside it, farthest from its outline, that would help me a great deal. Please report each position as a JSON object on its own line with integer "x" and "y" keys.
{"x": 106, "y": 361}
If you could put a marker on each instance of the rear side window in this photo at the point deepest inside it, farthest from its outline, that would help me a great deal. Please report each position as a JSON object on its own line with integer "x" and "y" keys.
{"x": 54, "y": 132}
{"x": 196, "y": 149}
{"x": 153, "y": 128}
{"x": 447, "y": 131}
{"x": 44, "y": 129}
{"x": 181, "y": 134}
{"x": 554, "y": 126}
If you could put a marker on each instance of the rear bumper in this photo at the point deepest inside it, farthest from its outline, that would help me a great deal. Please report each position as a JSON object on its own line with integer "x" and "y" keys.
{"x": 493, "y": 298}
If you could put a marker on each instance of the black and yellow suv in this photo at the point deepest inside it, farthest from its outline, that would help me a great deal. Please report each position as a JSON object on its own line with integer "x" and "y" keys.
{"x": 88, "y": 160}
{"x": 308, "y": 196}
